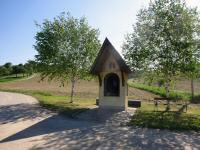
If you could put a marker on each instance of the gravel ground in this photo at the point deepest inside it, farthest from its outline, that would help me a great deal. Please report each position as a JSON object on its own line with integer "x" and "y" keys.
{"x": 25, "y": 125}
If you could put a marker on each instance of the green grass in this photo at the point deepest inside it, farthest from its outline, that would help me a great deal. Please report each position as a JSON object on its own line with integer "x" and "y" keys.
{"x": 175, "y": 119}
{"x": 61, "y": 104}
{"x": 166, "y": 120}
{"x": 11, "y": 78}
{"x": 174, "y": 95}
{"x": 192, "y": 108}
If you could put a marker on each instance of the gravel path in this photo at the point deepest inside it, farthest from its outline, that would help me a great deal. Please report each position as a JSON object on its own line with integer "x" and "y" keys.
{"x": 25, "y": 125}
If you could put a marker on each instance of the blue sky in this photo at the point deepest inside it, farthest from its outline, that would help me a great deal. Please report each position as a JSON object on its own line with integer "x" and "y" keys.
{"x": 114, "y": 18}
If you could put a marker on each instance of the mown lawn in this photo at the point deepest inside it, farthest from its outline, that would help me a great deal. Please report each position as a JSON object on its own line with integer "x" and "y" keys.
{"x": 11, "y": 78}
{"x": 166, "y": 120}
{"x": 151, "y": 117}
{"x": 60, "y": 104}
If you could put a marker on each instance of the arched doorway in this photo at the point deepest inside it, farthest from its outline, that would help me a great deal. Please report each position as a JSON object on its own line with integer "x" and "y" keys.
{"x": 111, "y": 85}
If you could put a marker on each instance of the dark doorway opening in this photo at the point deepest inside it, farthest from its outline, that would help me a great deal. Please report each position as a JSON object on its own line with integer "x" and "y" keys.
{"x": 111, "y": 85}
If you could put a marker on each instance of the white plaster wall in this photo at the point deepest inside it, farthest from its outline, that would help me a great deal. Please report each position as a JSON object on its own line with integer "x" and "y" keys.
{"x": 115, "y": 102}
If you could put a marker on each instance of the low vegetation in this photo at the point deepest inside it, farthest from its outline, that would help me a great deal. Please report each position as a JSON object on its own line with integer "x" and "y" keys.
{"x": 166, "y": 120}
{"x": 58, "y": 103}
{"x": 175, "y": 95}
{"x": 150, "y": 116}
{"x": 10, "y": 78}
{"x": 159, "y": 117}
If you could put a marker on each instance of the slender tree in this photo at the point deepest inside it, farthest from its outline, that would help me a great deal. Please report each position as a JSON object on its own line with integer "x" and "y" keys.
{"x": 30, "y": 67}
{"x": 3, "y": 71}
{"x": 8, "y": 66}
{"x": 66, "y": 49}
{"x": 165, "y": 39}
{"x": 192, "y": 72}
{"x": 16, "y": 70}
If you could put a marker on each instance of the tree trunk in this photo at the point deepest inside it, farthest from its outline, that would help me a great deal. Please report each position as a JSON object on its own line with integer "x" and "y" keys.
{"x": 167, "y": 96}
{"x": 72, "y": 89}
{"x": 192, "y": 88}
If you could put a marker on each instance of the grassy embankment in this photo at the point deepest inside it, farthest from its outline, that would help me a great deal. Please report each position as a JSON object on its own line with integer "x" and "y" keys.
{"x": 157, "y": 117}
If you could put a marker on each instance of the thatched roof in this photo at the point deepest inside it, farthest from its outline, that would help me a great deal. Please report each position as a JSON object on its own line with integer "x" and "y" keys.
{"x": 106, "y": 49}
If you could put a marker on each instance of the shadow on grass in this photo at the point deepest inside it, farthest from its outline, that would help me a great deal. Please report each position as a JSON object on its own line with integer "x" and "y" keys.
{"x": 196, "y": 99}
{"x": 166, "y": 120}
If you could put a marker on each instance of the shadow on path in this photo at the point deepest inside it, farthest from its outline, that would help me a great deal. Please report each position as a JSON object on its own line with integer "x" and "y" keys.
{"x": 106, "y": 137}
{"x": 63, "y": 133}
{"x": 18, "y": 112}
{"x": 49, "y": 125}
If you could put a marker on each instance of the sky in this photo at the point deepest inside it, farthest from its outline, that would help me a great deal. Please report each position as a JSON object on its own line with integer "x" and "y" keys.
{"x": 114, "y": 19}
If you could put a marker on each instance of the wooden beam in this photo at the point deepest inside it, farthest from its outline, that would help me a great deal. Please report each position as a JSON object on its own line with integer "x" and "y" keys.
{"x": 100, "y": 81}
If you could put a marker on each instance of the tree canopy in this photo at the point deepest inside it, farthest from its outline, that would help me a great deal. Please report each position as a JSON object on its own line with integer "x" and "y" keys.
{"x": 165, "y": 39}
{"x": 66, "y": 48}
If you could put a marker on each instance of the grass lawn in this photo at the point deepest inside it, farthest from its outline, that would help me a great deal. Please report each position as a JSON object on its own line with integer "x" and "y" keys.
{"x": 11, "y": 78}
{"x": 59, "y": 103}
{"x": 150, "y": 117}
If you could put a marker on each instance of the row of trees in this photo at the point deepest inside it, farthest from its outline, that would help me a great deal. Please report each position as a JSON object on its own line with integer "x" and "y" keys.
{"x": 165, "y": 41}
{"x": 9, "y": 69}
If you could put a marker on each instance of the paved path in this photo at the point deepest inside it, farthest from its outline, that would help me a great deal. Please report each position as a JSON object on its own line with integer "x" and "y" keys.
{"x": 25, "y": 125}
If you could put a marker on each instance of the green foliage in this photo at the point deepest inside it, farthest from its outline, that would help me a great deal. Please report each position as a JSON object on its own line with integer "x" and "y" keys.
{"x": 30, "y": 67}
{"x": 66, "y": 48}
{"x": 165, "y": 40}
{"x": 16, "y": 70}
{"x": 8, "y": 69}
{"x": 166, "y": 120}
{"x": 3, "y": 71}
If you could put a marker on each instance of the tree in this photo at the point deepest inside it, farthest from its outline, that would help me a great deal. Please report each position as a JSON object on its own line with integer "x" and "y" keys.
{"x": 8, "y": 67}
{"x": 193, "y": 72}
{"x": 21, "y": 69}
{"x": 30, "y": 67}
{"x": 66, "y": 49}
{"x": 3, "y": 71}
{"x": 165, "y": 40}
{"x": 16, "y": 70}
